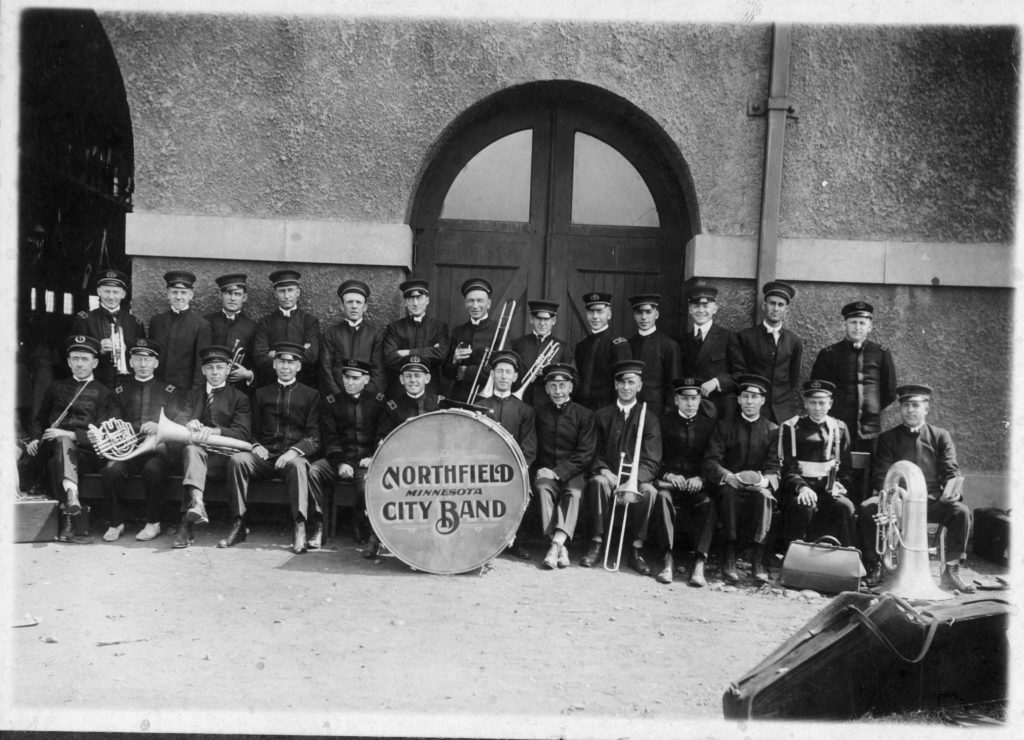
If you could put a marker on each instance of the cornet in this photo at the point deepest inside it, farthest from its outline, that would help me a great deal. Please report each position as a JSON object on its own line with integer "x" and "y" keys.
{"x": 546, "y": 356}
{"x": 626, "y": 493}
{"x": 117, "y": 349}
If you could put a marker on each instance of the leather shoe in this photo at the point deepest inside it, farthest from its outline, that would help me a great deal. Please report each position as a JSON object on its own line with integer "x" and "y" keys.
{"x": 665, "y": 575}
{"x": 697, "y": 578}
{"x": 315, "y": 542}
{"x": 516, "y": 549}
{"x": 186, "y": 536}
{"x": 876, "y": 574}
{"x": 151, "y": 530}
{"x": 637, "y": 562}
{"x": 67, "y": 530}
{"x": 951, "y": 579}
{"x": 757, "y": 568}
{"x": 551, "y": 559}
{"x": 74, "y": 506}
{"x": 237, "y": 534}
{"x": 299, "y": 543}
{"x": 197, "y": 513}
{"x": 563, "y": 556}
{"x": 593, "y": 554}
{"x": 372, "y": 551}
{"x": 113, "y": 533}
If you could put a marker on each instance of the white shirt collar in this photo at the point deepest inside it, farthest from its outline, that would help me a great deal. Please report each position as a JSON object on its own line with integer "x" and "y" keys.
{"x": 703, "y": 329}
{"x": 599, "y": 331}
{"x": 477, "y": 322}
{"x": 417, "y": 398}
{"x": 769, "y": 328}
{"x": 287, "y": 313}
{"x": 647, "y": 332}
{"x": 84, "y": 380}
{"x": 624, "y": 409}
{"x": 747, "y": 418}
{"x": 210, "y": 388}
{"x": 151, "y": 377}
{"x": 289, "y": 384}
{"x": 500, "y": 395}
{"x": 354, "y": 324}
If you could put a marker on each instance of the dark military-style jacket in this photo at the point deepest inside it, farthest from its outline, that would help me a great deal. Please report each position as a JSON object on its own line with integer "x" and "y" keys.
{"x": 299, "y": 327}
{"x": 617, "y": 434}
{"x": 479, "y": 337}
{"x": 931, "y": 449}
{"x": 230, "y": 411}
{"x": 343, "y": 342}
{"x": 865, "y": 381}
{"x": 737, "y": 445}
{"x": 517, "y": 418}
{"x": 181, "y": 336}
{"x": 595, "y": 356}
{"x": 755, "y": 352}
{"x": 661, "y": 356}
{"x": 286, "y": 417}
{"x": 94, "y": 405}
{"x": 140, "y": 401}
{"x": 684, "y": 442}
{"x": 353, "y": 426}
{"x": 98, "y": 324}
{"x": 712, "y": 359}
{"x": 426, "y": 339}
{"x": 802, "y": 440}
{"x": 404, "y": 408}
{"x": 529, "y": 347}
{"x": 566, "y": 439}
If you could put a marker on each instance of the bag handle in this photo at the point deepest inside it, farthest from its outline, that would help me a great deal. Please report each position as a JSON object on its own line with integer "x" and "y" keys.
{"x": 828, "y": 540}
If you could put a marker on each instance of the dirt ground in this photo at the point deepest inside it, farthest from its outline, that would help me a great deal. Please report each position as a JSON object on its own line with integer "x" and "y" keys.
{"x": 136, "y": 636}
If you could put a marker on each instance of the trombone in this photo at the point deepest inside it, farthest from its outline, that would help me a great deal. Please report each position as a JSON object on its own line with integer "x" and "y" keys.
{"x": 501, "y": 330}
{"x": 626, "y": 493}
{"x": 546, "y": 356}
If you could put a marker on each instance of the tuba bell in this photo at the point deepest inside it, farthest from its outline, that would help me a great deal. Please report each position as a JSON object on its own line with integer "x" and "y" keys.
{"x": 115, "y": 439}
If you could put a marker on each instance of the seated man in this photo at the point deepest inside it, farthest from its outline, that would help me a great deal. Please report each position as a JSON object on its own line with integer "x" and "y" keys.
{"x": 353, "y": 424}
{"x": 60, "y": 428}
{"x": 417, "y": 400}
{"x": 745, "y": 443}
{"x": 213, "y": 409}
{"x": 618, "y": 425}
{"x": 566, "y": 441}
{"x": 815, "y": 454}
{"x": 141, "y": 398}
{"x": 931, "y": 449}
{"x": 685, "y": 435}
{"x": 286, "y": 427}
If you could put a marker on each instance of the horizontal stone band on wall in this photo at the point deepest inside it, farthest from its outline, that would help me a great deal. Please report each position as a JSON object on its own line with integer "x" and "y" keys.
{"x": 270, "y": 240}
{"x": 846, "y": 261}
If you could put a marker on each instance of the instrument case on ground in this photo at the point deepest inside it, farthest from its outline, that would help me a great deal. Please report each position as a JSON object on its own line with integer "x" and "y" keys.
{"x": 823, "y": 565}
{"x": 36, "y": 519}
{"x": 992, "y": 535}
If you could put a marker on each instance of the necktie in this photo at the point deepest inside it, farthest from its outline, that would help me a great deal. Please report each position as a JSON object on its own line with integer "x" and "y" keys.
{"x": 698, "y": 337}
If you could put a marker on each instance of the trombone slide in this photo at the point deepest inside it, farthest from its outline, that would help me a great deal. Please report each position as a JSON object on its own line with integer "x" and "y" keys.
{"x": 626, "y": 492}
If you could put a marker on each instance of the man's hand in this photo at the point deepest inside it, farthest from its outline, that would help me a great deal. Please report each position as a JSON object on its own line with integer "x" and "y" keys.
{"x": 284, "y": 459}
{"x": 677, "y": 481}
{"x": 261, "y": 452}
{"x": 194, "y": 425}
{"x": 954, "y": 495}
{"x": 462, "y": 353}
{"x": 694, "y": 484}
{"x": 806, "y": 497}
{"x": 240, "y": 373}
{"x": 54, "y": 433}
{"x": 106, "y": 346}
{"x": 32, "y": 448}
{"x": 708, "y": 386}
{"x": 403, "y": 352}
{"x": 365, "y": 462}
{"x": 731, "y": 480}
{"x": 546, "y": 473}
{"x": 838, "y": 489}
{"x": 345, "y": 471}
{"x": 609, "y": 476}
{"x": 149, "y": 427}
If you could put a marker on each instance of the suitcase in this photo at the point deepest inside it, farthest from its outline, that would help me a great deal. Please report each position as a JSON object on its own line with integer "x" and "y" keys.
{"x": 36, "y": 519}
{"x": 992, "y": 535}
{"x": 822, "y": 566}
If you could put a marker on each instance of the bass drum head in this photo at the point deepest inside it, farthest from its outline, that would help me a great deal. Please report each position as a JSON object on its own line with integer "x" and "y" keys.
{"x": 446, "y": 491}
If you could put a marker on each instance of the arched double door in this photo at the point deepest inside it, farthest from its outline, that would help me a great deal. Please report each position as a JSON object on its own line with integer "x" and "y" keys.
{"x": 554, "y": 190}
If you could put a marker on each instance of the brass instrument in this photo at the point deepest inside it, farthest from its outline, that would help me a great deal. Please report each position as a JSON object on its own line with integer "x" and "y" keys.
{"x": 543, "y": 360}
{"x": 118, "y": 352}
{"x": 237, "y": 355}
{"x": 500, "y": 335}
{"x": 115, "y": 439}
{"x": 626, "y": 493}
{"x": 902, "y": 537}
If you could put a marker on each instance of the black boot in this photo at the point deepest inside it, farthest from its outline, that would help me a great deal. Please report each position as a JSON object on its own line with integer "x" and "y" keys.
{"x": 237, "y": 534}
{"x": 757, "y": 567}
{"x": 186, "y": 534}
{"x": 729, "y": 572}
{"x": 67, "y": 531}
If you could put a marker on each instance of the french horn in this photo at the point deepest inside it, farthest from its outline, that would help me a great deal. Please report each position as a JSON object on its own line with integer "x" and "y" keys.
{"x": 115, "y": 439}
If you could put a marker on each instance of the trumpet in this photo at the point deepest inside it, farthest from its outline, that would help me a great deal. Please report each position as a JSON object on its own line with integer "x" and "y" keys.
{"x": 237, "y": 355}
{"x": 546, "y": 356}
{"x": 626, "y": 493}
{"x": 115, "y": 439}
{"x": 500, "y": 335}
{"x": 117, "y": 349}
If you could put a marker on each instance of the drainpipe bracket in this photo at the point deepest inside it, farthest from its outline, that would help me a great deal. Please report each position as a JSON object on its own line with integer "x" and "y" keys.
{"x": 761, "y": 107}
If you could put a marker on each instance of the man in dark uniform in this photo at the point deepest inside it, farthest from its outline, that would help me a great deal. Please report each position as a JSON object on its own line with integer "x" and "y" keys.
{"x": 931, "y": 449}
{"x": 416, "y": 400}
{"x": 685, "y": 435}
{"x": 470, "y": 341}
{"x": 773, "y": 352}
{"x": 515, "y": 416}
{"x": 415, "y": 334}
{"x": 287, "y": 323}
{"x": 815, "y": 454}
{"x": 352, "y": 339}
{"x": 658, "y": 351}
{"x": 618, "y": 425}
{"x": 286, "y": 427}
{"x": 354, "y": 422}
{"x": 707, "y": 351}
{"x": 108, "y": 320}
{"x": 596, "y": 354}
{"x": 60, "y": 427}
{"x": 745, "y": 443}
{"x": 566, "y": 442}
{"x": 214, "y": 408}
{"x": 543, "y": 317}
{"x": 181, "y": 333}
{"x": 141, "y": 399}
{"x": 232, "y": 328}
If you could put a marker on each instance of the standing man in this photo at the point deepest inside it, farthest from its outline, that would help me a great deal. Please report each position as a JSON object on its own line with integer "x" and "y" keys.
{"x": 181, "y": 333}
{"x": 543, "y": 317}
{"x": 415, "y": 334}
{"x": 743, "y": 462}
{"x": 108, "y": 320}
{"x": 685, "y": 435}
{"x": 566, "y": 442}
{"x": 931, "y": 449}
{"x": 815, "y": 454}
{"x": 232, "y": 328}
{"x": 352, "y": 339}
{"x": 707, "y": 352}
{"x": 658, "y": 351}
{"x": 470, "y": 341}
{"x": 596, "y": 354}
{"x": 141, "y": 399}
{"x": 618, "y": 425}
{"x": 286, "y": 426}
{"x": 288, "y": 323}
{"x": 214, "y": 408}
{"x": 773, "y": 352}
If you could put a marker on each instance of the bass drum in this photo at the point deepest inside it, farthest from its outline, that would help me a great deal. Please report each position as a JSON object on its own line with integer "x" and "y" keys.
{"x": 446, "y": 491}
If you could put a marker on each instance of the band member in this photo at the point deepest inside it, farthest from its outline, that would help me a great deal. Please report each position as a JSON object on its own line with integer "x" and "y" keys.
{"x": 707, "y": 352}
{"x": 181, "y": 333}
{"x": 470, "y": 341}
{"x": 416, "y": 400}
{"x": 286, "y": 426}
{"x": 617, "y": 426}
{"x": 815, "y": 454}
{"x": 931, "y": 449}
{"x": 774, "y": 352}
{"x": 864, "y": 374}
{"x": 415, "y": 334}
{"x": 566, "y": 442}
{"x": 214, "y": 409}
{"x": 287, "y": 323}
{"x": 745, "y": 443}
{"x": 597, "y": 352}
{"x": 140, "y": 400}
{"x": 543, "y": 317}
{"x": 685, "y": 435}
{"x": 352, "y": 339}
{"x": 232, "y": 328}
{"x": 658, "y": 351}
{"x": 59, "y": 429}
{"x": 353, "y": 421}
{"x": 115, "y": 327}
{"x": 515, "y": 416}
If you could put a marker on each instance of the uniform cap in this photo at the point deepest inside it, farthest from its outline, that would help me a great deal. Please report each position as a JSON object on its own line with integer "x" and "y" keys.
{"x": 858, "y": 309}
{"x": 818, "y": 388}
{"x": 753, "y": 383}
{"x": 914, "y": 392}
{"x": 559, "y": 371}
{"x": 359, "y": 366}
{"x": 625, "y": 367}
{"x": 597, "y": 299}
{"x": 354, "y": 286}
{"x": 780, "y": 289}
{"x": 288, "y": 351}
{"x": 285, "y": 278}
{"x": 702, "y": 294}
{"x": 542, "y": 309}
{"x": 112, "y": 277}
{"x": 476, "y": 283}
{"x": 214, "y": 353}
{"x": 81, "y": 343}
{"x": 143, "y": 346}
{"x": 506, "y": 355}
{"x": 413, "y": 362}
{"x": 686, "y": 384}
{"x": 179, "y": 279}
{"x": 645, "y": 299}
{"x": 413, "y": 288}
{"x": 232, "y": 281}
